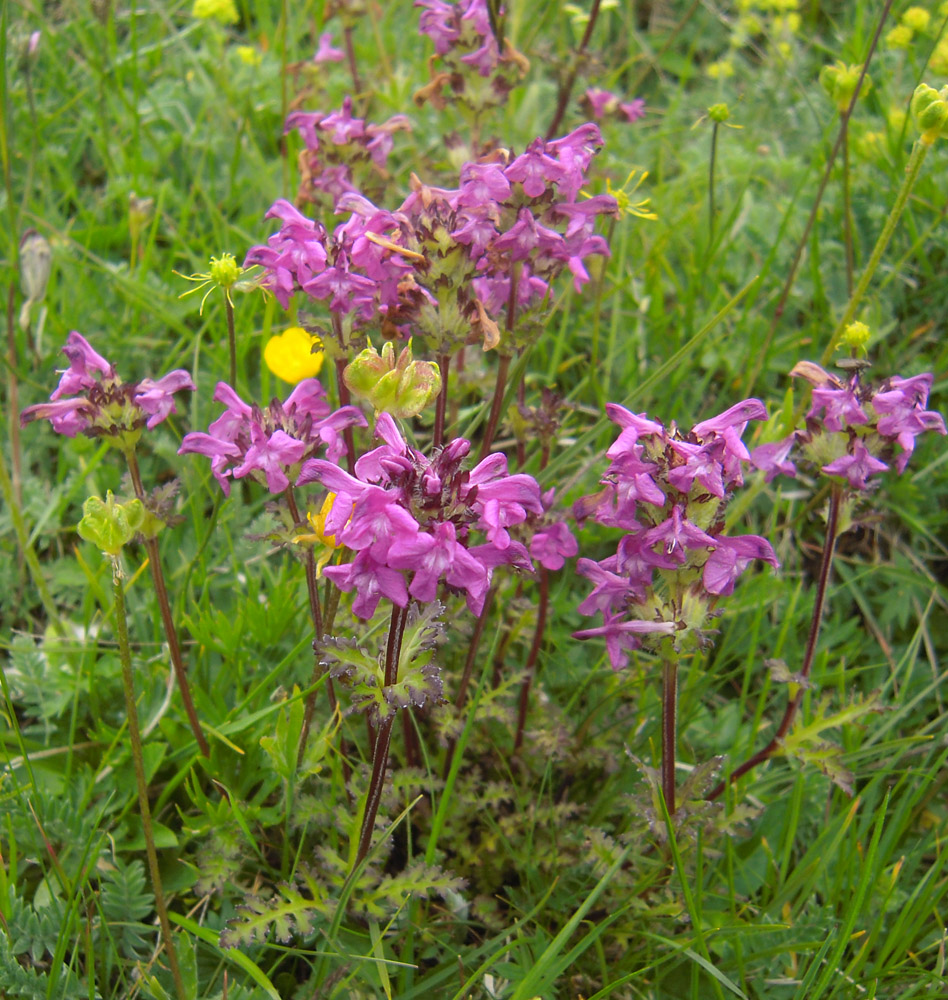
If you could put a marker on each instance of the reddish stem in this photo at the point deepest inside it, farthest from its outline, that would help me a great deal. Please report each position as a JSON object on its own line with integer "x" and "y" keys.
{"x": 832, "y": 526}
{"x": 444, "y": 364}
{"x": 669, "y": 731}
{"x": 167, "y": 619}
{"x": 533, "y": 655}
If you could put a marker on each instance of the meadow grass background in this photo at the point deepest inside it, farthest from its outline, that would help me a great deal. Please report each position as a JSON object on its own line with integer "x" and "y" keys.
{"x": 793, "y": 888}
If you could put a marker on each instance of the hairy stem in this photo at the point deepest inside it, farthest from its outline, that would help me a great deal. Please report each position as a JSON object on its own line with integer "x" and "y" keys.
{"x": 383, "y": 733}
{"x": 316, "y": 615}
{"x": 444, "y": 365}
{"x": 669, "y": 731}
{"x": 231, "y": 339}
{"x": 832, "y": 527}
{"x": 468, "y": 670}
{"x": 135, "y": 738}
{"x": 566, "y": 87}
{"x": 344, "y": 400}
{"x": 847, "y": 212}
{"x": 542, "y": 607}
{"x": 13, "y": 393}
{"x": 351, "y": 59}
{"x": 911, "y": 175}
{"x": 711, "y": 164}
{"x": 167, "y": 618}
{"x": 496, "y": 404}
{"x": 824, "y": 180}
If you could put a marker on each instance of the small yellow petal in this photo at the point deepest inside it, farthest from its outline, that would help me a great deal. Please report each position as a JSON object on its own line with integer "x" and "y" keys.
{"x": 290, "y": 356}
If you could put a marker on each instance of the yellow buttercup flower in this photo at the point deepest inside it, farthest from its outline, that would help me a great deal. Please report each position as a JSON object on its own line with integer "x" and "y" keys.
{"x": 916, "y": 18}
{"x": 290, "y": 355}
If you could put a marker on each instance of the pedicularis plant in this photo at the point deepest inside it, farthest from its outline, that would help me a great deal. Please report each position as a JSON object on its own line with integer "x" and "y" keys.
{"x": 431, "y": 511}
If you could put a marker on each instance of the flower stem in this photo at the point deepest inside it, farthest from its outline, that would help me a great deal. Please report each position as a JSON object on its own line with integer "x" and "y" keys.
{"x": 824, "y": 180}
{"x": 351, "y": 59}
{"x": 711, "y": 164}
{"x": 832, "y": 527}
{"x": 383, "y": 733}
{"x": 231, "y": 339}
{"x": 316, "y": 615}
{"x": 167, "y": 619}
{"x": 911, "y": 175}
{"x": 494, "y": 419}
{"x": 344, "y": 400}
{"x": 134, "y": 733}
{"x": 468, "y": 670}
{"x": 566, "y": 88}
{"x": 444, "y": 364}
{"x": 669, "y": 731}
{"x": 13, "y": 394}
{"x": 847, "y": 212}
{"x": 542, "y": 607}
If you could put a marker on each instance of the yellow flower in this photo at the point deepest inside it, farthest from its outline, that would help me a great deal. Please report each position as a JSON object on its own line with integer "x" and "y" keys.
{"x": 290, "y": 355}
{"x": 624, "y": 202}
{"x": 249, "y": 56}
{"x": 319, "y": 537}
{"x": 721, "y": 69}
{"x": 900, "y": 37}
{"x": 916, "y": 18}
{"x": 222, "y": 11}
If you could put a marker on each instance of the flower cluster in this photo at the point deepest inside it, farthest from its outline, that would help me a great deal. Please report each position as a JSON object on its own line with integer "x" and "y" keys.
{"x": 92, "y": 399}
{"x": 668, "y": 492}
{"x": 403, "y": 512}
{"x": 447, "y": 260}
{"x": 470, "y": 67}
{"x": 852, "y": 429}
{"x": 271, "y": 445}
{"x": 342, "y": 152}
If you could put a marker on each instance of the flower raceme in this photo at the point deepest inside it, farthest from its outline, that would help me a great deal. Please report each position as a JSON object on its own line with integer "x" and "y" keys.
{"x": 852, "y": 429}
{"x": 403, "y": 512}
{"x": 668, "y": 492}
{"x": 93, "y": 400}
{"x": 440, "y": 265}
{"x": 271, "y": 445}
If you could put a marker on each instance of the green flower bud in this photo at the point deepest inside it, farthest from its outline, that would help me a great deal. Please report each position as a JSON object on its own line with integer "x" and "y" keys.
{"x": 110, "y": 525}
{"x": 719, "y": 113}
{"x": 36, "y": 260}
{"x": 930, "y": 112}
{"x": 840, "y": 80}
{"x": 225, "y": 270}
{"x": 855, "y": 336}
{"x": 403, "y": 387}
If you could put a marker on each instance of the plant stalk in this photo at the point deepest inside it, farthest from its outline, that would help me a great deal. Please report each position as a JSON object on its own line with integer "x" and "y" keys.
{"x": 383, "y": 733}
{"x": 444, "y": 366}
{"x": 532, "y": 656}
{"x": 566, "y": 88}
{"x": 231, "y": 339}
{"x": 911, "y": 175}
{"x": 167, "y": 618}
{"x": 134, "y": 733}
{"x": 832, "y": 528}
{"x": 669, "y": 731}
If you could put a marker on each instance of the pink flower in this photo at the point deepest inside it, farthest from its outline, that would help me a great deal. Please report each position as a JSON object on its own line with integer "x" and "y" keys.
{"x": 325, "y": 51}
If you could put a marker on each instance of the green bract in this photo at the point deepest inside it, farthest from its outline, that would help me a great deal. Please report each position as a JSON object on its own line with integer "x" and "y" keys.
{"x": 108, "y": 524}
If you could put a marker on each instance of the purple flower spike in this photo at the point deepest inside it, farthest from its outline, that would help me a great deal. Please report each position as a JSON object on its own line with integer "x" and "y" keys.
{"x": 856, "y": 466}
{"x": 731, "y": 557}
{"x": 92, "y": 399}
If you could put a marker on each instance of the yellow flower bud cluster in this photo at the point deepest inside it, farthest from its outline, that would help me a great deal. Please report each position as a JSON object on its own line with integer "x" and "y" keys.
{"x": 759, "y": 21}
{"x": 930, "y": 112}
{"x": 840, "y": 80}
{"x": 914, "y": 21}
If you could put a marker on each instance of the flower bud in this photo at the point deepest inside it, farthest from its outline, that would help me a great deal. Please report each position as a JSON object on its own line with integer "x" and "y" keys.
{"x": 855, "y": 336}
{"x": 719, "y": 113}
{"x": 403, "y": 387}
{"x": 110, "y": 525}
{"x": 36, "y": 260}
{"x": 225, "y": 270}
{"x": 930, "y": 112}
{"x": 840, "y": 81}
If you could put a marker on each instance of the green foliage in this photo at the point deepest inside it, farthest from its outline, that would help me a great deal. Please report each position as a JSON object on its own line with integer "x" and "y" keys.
{"x": 141, "y": 142}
